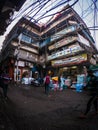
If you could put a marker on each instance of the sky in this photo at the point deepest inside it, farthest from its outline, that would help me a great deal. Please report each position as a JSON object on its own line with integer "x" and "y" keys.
{"x": 40, "y": 10}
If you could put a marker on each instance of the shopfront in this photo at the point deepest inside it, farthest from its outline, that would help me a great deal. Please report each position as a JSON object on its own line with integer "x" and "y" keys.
{"x": 71, "y": 65}
{"x": 73, "y": 69}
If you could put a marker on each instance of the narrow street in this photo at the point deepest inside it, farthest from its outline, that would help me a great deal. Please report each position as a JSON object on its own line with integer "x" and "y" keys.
{"x": 28, "y": 108}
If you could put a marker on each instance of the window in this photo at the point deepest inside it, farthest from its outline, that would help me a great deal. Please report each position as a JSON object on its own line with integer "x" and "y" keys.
{"x": 26, "y": 38}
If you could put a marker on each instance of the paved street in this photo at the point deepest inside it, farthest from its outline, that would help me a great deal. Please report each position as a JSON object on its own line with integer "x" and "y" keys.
{"x": 28, "y": 108}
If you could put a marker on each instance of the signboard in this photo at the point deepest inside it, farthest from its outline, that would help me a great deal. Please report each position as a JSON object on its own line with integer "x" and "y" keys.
{"x": 20, "y": 63}
{"x": 65, "y": 52}
{"x": 71, "y": 60}
{"x": 62, "y": 42}
{"x": 75, "y": 49}
{"x": 83, "y": 40}
{"x": 30, "y": 49}
{"x": 61, "y": 53}
{"x": 93, "y": 61}
{"x": 63, "y": 32}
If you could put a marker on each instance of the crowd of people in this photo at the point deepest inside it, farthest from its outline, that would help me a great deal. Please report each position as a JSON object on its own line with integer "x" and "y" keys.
{"x": 91, "y": 85}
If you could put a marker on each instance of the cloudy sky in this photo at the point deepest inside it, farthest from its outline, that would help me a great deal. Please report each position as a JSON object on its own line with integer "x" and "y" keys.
{"x": 38, "y": 11}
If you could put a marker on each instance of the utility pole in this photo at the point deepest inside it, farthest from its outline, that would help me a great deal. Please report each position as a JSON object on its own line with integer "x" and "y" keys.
{"x": 18, "y": 50}
{"x": 95, "y": 18}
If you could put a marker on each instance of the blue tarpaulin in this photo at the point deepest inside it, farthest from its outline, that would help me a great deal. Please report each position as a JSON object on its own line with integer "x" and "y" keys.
{"x": 34, "y": 69}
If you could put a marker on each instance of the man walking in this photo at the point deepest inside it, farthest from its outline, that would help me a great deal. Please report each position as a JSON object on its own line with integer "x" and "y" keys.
{"x": 93, "y": 88}
{"x": 5, "y": 82}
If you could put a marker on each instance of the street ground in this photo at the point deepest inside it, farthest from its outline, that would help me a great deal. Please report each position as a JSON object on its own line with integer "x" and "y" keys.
{"x": 28, "y": 108}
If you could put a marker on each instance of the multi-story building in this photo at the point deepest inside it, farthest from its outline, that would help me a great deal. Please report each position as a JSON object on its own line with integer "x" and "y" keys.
{"x": 70, "y": 46}
{"x": 20, "y": 51}
{"x": 64, "y": 45}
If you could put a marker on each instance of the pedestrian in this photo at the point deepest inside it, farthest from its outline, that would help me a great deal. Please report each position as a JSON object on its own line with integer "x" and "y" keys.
{"x": 61, "y": 82}
{"x": 47, "y": 83}
{"x": 5, "y": 82}
{"x": 93, "y": 92}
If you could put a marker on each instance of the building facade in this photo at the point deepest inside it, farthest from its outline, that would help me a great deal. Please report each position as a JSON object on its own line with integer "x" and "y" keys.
{"x": 68, "y": 43}
{"x": 64, "y": 45}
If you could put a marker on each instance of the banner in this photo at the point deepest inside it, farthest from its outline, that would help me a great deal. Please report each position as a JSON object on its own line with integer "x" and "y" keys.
{"x": 62, "y": 42}
{"x": 65, "y": 52}
{"x": 63, "y": 32}
{"x": 68, "y": 61}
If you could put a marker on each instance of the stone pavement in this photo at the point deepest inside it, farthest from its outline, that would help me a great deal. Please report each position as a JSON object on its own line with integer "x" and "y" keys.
{"x": 28, "y": 108}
